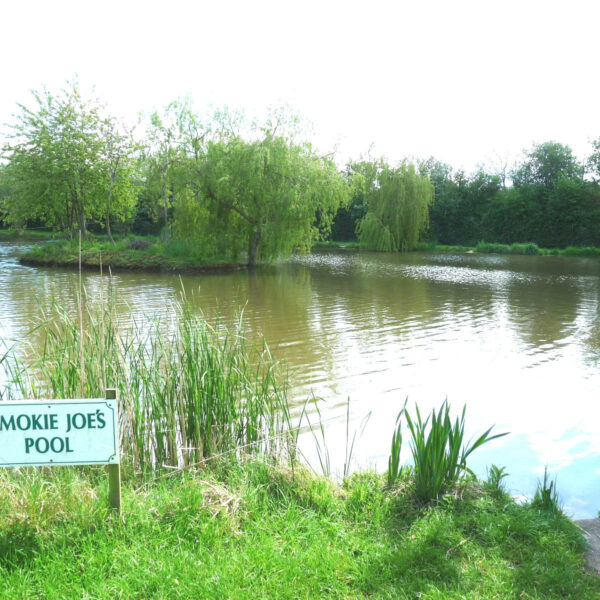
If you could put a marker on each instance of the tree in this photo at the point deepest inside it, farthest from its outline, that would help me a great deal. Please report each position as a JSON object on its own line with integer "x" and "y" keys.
{"x": 593, "y": 162}
{"x": 398, "y": 207}
{"x": 545, "y": 164}
{"x": 117, "y": 163}
{"x": 4, "y": 193}
{"x": 345, "y": 222}
{"x": 60, "y": 166}
{"x": 265, "y": 192}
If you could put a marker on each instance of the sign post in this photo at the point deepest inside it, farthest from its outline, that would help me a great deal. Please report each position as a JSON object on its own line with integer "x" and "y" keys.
{"x": 63, "y": 432}
{"x": 114, "y": 469}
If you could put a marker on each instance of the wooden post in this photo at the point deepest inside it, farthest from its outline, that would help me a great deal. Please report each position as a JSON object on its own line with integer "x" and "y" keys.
{"x": 114, "y": 471}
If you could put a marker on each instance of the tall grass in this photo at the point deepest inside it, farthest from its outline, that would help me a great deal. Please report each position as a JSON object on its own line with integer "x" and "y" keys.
{"x": 439, "y": 450}
{"x": 187, "y": 390}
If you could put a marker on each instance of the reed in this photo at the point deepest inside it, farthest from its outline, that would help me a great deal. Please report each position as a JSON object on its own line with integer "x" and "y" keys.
{"x": 188, "y": 390}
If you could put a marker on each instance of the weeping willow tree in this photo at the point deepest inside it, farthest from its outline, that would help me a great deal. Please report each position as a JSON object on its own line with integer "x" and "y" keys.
{"x": 398, "y": 206}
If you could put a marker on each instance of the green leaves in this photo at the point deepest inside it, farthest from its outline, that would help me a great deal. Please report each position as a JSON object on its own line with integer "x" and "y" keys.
{"x": 438, "y": 449}
{"x": 398, "y": 206}
{"x": 62, "y": 164}
{"x": 270, "y": 196}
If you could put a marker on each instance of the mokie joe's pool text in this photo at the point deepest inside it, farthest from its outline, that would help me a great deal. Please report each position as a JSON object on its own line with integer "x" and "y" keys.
{"x": 58, "y": 432}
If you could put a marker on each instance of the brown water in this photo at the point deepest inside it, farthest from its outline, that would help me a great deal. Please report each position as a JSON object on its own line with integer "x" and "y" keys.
{"x": 515, "y": 338}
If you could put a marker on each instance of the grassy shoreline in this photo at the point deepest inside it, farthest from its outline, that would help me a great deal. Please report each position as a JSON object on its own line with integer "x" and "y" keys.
{"x": 136, "y": 253}
{"x": 27, "y": 234}
{"x": 255, "y": 529}
{"x": 524, "y": 249}
{"x": 132, "y": 254}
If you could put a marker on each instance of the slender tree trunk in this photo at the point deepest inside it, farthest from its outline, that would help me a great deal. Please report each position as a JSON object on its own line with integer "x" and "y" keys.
{"x": 83, "y": 224}
{"x": 166, "y": 207}
{"x": 108, "y": 207}
{"x": 254, "y": 245}
{"x": 81, "y": 216}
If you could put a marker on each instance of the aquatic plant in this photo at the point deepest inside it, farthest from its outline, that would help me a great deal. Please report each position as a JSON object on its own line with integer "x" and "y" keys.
{"x": 187, "y": 389}
{"x": 546, "y": 497}
{"x": 438, "y": 448}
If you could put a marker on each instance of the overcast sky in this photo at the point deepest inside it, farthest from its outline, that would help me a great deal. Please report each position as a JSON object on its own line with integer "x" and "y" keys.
{"x": 464, "y": 81}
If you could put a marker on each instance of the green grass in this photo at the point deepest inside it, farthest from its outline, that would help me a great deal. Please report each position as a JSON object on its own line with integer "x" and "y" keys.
{"x": 527, "y": 249}
{"x": 533, "y": 250}
{"x": 250, "y": 529}
{"x": 133, "y": 252}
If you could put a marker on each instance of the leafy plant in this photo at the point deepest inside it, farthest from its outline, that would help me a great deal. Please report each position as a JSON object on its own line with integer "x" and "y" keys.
{"x": 394, "y": 468}
{"x": 546, "y": 496}
{"x": 438, "y": 449}
{"x": 496, "y": 476}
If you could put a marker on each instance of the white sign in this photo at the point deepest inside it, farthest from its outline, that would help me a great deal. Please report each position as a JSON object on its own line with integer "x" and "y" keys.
{"x": 58, "y": 432}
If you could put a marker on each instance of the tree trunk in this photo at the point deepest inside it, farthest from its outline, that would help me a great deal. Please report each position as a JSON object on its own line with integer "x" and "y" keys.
{"x": 166, "y": 207}
{"x": 254, "y": 245}
{"x": 81, "y": 217}
{"x": 108, "y": 206}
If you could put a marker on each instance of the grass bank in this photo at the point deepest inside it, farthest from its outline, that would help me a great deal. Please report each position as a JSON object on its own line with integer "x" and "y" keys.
{"x": 525, "y": 249}
{"x": 245, "y": 529}
{"x": 26, "y": 234}
{"x": 132, "y": 253}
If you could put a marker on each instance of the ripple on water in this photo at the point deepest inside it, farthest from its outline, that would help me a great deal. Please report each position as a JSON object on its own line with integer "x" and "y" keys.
{"x": 515, "y": 338}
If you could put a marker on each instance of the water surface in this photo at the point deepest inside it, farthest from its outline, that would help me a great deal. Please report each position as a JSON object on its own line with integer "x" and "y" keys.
{"x": 515, "y": 338}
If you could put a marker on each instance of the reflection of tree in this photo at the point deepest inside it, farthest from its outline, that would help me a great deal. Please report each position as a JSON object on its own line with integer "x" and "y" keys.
{"x": 324, "y": 314}
{"x": 370, "y": 310}
{"x": 590, "y": 307}
{"x": 542, "y": 311}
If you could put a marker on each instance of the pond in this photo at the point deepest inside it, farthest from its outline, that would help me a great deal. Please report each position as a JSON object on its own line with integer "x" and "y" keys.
{"x": 515, "y": 338}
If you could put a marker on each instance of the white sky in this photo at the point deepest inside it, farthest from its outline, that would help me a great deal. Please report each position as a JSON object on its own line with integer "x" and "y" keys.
{"x": 464, "y": 81}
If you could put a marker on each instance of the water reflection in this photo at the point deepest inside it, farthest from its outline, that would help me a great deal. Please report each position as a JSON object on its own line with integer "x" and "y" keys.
{"x": 515, "y": 338}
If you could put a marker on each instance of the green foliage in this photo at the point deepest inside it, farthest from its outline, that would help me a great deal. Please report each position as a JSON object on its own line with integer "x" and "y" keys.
{"x": 394, "y": 471}
{"x": 593, "y": 161}
{"x": 495, "y": 480}
{"x": 438, "y": 450}
{"x": 532, "y": 250}
{"x": 232, "y": 189}
{"x": 546, "y": 164}
{"x": 586, "y": 251}
{"x": 549, "y": 203}
{"x": 398, "y": 206}
{"x": 272, "y": 195}
{"x": 461, "y": 204}
{"x": 529, "y": 249}
{"x": 67, "y": 164}
{"x": 184, "y": 395}
{"x": 546, "y": 496}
